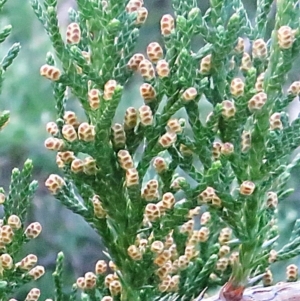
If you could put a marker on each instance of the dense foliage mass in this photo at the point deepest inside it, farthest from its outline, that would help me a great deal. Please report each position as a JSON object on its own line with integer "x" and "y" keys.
{"x": 182, "y": 200}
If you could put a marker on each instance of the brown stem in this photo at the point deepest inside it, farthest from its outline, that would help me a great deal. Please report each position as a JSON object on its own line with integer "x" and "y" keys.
{"x": 231, "y": 292}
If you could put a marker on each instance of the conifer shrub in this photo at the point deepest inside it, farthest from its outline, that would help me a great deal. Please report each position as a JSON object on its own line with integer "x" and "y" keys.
{"x": 183, "y": 202}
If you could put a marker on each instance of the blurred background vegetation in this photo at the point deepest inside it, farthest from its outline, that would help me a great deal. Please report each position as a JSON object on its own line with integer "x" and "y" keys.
{"x": 29, "y": 98}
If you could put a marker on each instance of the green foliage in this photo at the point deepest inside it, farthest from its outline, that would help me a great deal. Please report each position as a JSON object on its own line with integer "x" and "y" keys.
{"x": 6, "y": 62}
{"x": 16, "y": 271}
{"x": 14, "y": 233}
{"x": 238, "y": 158}
{"x": 123, "y": 178}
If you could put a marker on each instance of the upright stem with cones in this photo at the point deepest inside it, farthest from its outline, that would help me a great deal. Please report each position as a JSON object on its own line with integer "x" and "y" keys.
{"x": 183, "y": 199}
